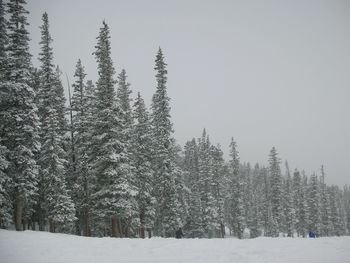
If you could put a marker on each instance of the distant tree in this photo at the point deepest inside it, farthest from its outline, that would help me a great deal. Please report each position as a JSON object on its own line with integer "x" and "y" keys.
{"x": 141, "y": 142}
{"x": 276, "y": 188}
{"x": 194, "y": 226}
{"x": 167, "y": 220}
{"x": 289, "y": 211}
{"x": 314, "y": 205}
{"x": 218, "y": 186}
{"x": 236, "y": 193}
{"x": 325, "y": 212}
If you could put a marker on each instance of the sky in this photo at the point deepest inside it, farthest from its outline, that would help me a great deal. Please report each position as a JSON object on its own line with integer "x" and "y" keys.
{"x": 268, "y": 73}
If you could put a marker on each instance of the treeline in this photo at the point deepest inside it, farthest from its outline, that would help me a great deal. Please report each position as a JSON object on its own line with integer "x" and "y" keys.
{"x": 109, "y": 166}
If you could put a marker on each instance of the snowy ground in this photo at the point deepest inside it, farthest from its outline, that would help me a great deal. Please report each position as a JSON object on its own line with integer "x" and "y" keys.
{"x": 43, "y": 247}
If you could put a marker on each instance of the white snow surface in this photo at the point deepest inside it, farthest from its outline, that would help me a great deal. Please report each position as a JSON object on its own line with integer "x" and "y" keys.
{"x": 32, "y": 246}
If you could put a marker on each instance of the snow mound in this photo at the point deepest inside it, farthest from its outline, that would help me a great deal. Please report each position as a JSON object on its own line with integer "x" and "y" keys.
{"x": 43, "y": 247}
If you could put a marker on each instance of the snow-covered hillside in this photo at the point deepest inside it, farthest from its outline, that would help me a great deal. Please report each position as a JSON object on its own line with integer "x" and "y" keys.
{"x": 37, "y": 247}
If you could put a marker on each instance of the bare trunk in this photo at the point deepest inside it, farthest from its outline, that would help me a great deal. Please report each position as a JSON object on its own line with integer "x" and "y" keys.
{"x": 86, "y": 229}
{"x": 142, "y": 232}
{"x": 142, "y": 221}
{"x": 114, "y": 227}
{"x": 222, "y": 228}
{"x": 149, "y": 231}
{"x": 19, "y": 213}
{"x": 119, "y": 227}
{"x": 52, "y": 226}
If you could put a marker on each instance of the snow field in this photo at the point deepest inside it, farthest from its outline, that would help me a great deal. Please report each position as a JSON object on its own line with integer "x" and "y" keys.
{"x": 43, "y": 247}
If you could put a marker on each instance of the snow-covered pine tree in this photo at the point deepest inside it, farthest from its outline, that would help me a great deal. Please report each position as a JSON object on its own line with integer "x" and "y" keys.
{"x": 80, "y": 107}
{"x": 85, "y": 180}
{"x": 324, "y": 206}
{"x": 58, "y": 205}
{"x": 247, "y": 194}
{"x": 5, "y": 203}
{"x": 258, "y": 201}
{"x": 167, "y": 220}
{"x": 235, "y": 193}
{"x": 276, "y": 188}
{"x": 124, "y": 104}
{"x": 114, "y": 197}
{"x": 141, "y": 142}
{"x": 335, "y": 216}
{"x": 300, "y": 204}
{"x": 288, "y": 204}
{"x": 209, "y": 209}
{"x": 18, "y": 113}
{"x": 314, "y": 205}
{"x": 194, "y": 225}
{"x": 218, "y": 186}
{"x": 182, "y": 191}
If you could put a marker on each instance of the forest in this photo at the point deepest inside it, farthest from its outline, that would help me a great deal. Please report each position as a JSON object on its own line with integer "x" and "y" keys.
{"x": 99, "y": 162}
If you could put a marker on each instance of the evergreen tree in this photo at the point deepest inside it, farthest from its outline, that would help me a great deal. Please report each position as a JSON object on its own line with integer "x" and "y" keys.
{"x": 114, "y": 197}
{"x": 5, "y": 202}
{"x": 125, "y": 114}
{"x": 58, "y": 206}
{"x": 337, "y": 227}
{"x": 300, "y": 204}
{"x": 194, "y": 226}
{"x": 142, "y": 159}
{"x": 324, "y": 206}
{"x": 235, "y": 193}
{"x": 314, "y": 205}
{"x": 289, "y": 211}
{"x": 258, "y": 201}
{"x": 18, "y": 113}
{"x": 276, "y": 188}
{"x": 209, "y": 209}
{"x": 218, "y": 186}
{"x": 247, "y": 195}
{"x": 80, "y": 107}
{"x": 165, "y": 192}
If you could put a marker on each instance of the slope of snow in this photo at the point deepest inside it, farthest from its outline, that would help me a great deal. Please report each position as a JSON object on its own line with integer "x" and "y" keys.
{"x": 43, "y": 247}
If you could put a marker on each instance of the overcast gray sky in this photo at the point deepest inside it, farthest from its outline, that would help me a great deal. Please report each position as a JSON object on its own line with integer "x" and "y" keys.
{"x": 268, "y": 73}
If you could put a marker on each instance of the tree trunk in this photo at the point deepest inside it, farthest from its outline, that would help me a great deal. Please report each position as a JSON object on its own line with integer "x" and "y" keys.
{"x": 19, "y": 213}
{"x": 142, "y": 231}
{"x": 149, "y": 231}
{"x": 86, "y": 229}
{"x": 119, "y": 227}
{"x": 222, "y": 228}
{"x": 142, "y": 221}
{"x": 52, "y": 226}
{"x": 115, "y": 227}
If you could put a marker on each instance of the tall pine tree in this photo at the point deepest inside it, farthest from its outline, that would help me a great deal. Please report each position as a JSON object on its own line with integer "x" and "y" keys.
{"x": 142, "y": 160}
{"x": 114, "y": 197}
{"x": 165, "y": 192}
{"x": 276, "y": 188}
{"x": 18, "y": 113}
